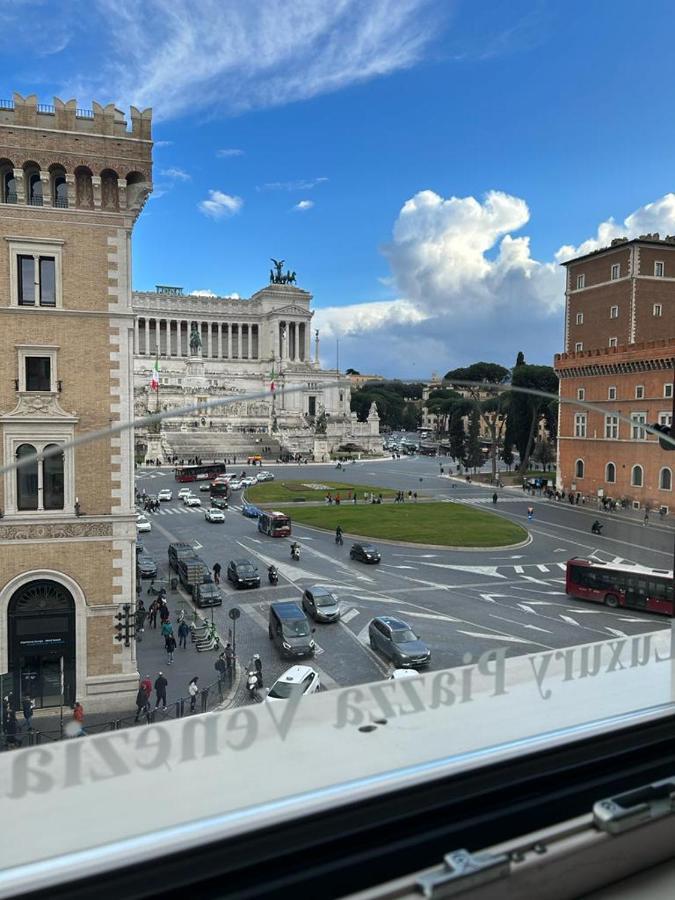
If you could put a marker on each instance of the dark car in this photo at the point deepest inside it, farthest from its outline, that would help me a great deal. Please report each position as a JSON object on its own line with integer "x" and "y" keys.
{"x": 140, "y": 546}
{"x": 146, "y": 566}
{"x": 398, "y": 642}
{"x": 321, "y": 604}
{"x": 251, "y": 511}
{"x": 366, "y": 553}
{"x": 219, "y": 502}
{"x": 242, "y": 573}
{"x": 207, "y": 594}
{"x": 289, "y": 630}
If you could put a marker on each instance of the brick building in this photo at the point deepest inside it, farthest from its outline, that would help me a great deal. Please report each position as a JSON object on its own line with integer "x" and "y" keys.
{"x": 72, "y": 183}
{"x": 619, "y": 354}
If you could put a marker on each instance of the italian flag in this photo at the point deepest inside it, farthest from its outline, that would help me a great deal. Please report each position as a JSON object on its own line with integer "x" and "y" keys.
{"x": 272, "y": 382}
{"x": 154, "y": 381}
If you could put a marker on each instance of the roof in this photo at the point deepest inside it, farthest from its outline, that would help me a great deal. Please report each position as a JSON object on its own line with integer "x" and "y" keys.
{"x": 620, "y": 243}
{"x": 296, "y": 674}
{"x": 622, "y": 567}
{"x": 287, "y": 608}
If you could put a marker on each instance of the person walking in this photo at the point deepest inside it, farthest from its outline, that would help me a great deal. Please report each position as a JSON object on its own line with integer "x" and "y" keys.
{"x": 645, "y": 521}
{"x": 193, "y": 690}
{"x": 78, "y": 716}
{"x": 530, "y": 512}
{"x": 27, "y": 708}
{"x": 258, "y": 669}
{"x": 170, "y": 645}
{"x": 152, "y": 614}
{"x": 141, "y": 614}
{"x": 216, "y": 573}
{"x": 11, "y": 729}
{"x": 221, "y": 668}
{"x": 495, "y": 498}
{"x": 167, "y": 629}
{"x": 229, "y": 658}
{"x": 142, "y": 704}
{"x": 164, "y": 611}
{"x": 160, "y": 690}
{"x": 183, "y": 632}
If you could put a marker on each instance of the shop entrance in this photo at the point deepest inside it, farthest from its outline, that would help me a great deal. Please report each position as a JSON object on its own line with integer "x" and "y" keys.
{"x": 42, "y": 644}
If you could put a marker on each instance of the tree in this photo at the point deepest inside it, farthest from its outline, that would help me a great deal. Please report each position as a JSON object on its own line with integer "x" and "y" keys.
{"x": 491, "y": 407}
{"x": 474, "y": 454}
{"x": 543, "y": 453}
{"x": 525, "y": 410}
{"x": 457, "y": 436}
{"x": 352, "y": 372}
{"x": 484, "y": 372}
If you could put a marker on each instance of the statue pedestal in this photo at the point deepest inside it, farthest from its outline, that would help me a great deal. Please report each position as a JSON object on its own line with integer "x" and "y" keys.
{"x": 321, "y": 453}
{"x": 195, "y": 366}
{"x": 154, "y": 450}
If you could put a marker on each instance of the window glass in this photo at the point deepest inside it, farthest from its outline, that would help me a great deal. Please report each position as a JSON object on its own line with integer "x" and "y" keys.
{"x": 38, "y": 373}
{"x": 47, "y": 281}
{"x": 26, "y": 281}
{"x": 26, "y": 479}
{"x": 610, "y": 473}
{"x": 53, "y": 485}
{"x": 636, "y": 476}
{"x": 665, "y": 480}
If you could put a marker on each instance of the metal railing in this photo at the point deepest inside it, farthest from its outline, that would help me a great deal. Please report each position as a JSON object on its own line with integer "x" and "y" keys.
{"x": 6, "y": 104}
{"x": 61, "y": 202}
{"x": 35, "y": 201}
{"x": 84, "y": 113}
{"x": 46, "y": 108}
{"x": 9, "y": 197}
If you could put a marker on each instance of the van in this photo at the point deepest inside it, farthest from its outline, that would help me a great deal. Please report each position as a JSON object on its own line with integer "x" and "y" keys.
{"x": 290, "y": 631}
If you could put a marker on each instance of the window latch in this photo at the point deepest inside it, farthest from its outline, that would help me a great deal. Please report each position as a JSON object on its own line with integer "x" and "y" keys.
{"x": 634, "y": 808}
{"x": 462, "y": 871}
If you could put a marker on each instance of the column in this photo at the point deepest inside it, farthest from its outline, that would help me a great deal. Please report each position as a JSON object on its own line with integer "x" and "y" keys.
{"x": 20, "y": 192}
{"x": 209, "y": 341}
{"x": 137, "y": 348}
{"x": 229, "y": 340}
{"x": 70, "y": 187}
{"x": 296, "y": 341}
{"x": 247, "y": 354}
{"x": 219, "y": 337}
{"x": 146, "y": 349}
{"x": 96, "y": 188}
{"x": 239, "y": 341}
{"x": 46, "y": 188}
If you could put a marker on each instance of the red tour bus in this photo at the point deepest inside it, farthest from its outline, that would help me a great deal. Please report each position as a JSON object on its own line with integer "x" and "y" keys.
{"x": 275, "y": 524}
{"x": 199, "y": 473}
{"x": 621, "y": 584}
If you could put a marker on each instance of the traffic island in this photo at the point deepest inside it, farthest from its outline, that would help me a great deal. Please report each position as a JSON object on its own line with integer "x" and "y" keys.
{"x": 294, "y": 491}
{"x": 442, "y": 524}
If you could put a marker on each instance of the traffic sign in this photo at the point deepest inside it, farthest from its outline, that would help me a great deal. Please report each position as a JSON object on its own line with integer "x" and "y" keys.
{"x": 234, "y": 613}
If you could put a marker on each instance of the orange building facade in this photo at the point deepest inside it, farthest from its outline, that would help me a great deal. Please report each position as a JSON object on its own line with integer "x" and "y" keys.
{"x": 616, "y": 374}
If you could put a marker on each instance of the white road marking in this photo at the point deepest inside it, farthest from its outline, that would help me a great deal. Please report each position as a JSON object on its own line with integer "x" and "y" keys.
{"x": 569, "y": 620}
{"x": 542, "y": 568}
{"x": 490, "y": 598}
{"x": 348, "y": 616}
{"x": 197, "y": 545}
{"x": 518, "y": 570}
{"x": 535, "y": 580}
{"x": 419, "y": 615}
{"x": 495, "y": 637}
{"x": 527, "y": 609}
{"x": 514, "y": 622}
{"x": 616, "y": 631}
{"x": 491, "y": 571}
{"x": 562, "y": 566}
{"x": 389, "y": 566}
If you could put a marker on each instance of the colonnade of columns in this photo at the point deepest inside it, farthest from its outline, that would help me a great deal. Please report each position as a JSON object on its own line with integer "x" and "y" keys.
{"x": 292, "y": 342}
{"x": 220, "y": 340}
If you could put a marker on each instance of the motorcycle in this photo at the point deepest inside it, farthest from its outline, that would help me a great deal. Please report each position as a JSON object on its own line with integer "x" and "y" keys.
{"x": 596, "y": 528}
{"x": 295, "y": 551}
{"x": 338, "y": 538}
{"x": 252, "y": 686}
{"x": 273, "y": 575}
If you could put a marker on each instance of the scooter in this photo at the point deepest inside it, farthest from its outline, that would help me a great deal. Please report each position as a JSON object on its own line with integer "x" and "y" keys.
{"x": 252, "y": 686}
{"x": 295, "y": 552}
{"x": 273, "y": 575}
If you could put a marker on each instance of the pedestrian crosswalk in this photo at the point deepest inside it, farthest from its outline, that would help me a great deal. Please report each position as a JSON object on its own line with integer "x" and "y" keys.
{"x": 186, "y": 510}
{"x": 484, "y": 501}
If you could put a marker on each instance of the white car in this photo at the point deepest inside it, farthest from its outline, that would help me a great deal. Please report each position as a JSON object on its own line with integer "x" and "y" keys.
{"x": 236, "y": 485}
{"x": 403, "y": 673}
{"x": 265, "y": 476}
{"x": 183, "y": 493}
{"x": 142, "y": 524}
{"x": 214, "y": 515}
{"x": 165, "y": 494}
{"x": 298, "y": 678}
{"x": 248, "y": 481}
{"x": 191, "y": 500}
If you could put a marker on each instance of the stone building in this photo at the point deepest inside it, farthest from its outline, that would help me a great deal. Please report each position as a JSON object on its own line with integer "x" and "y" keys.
{"x": 211, "y": 348}
{"x": 72, "y": 184}
{"x": 619, "y": 354}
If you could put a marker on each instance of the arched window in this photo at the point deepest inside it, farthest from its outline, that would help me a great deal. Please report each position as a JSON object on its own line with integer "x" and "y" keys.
{"x": 59, "y": 187}
{"x": 52, "y": 479}
{"x": 84, "y": 190}
{"x": 7, "y": 182}
{"x": 33, "y": 184}
{"x": 137, "y": 189}
{"x": 26, "y": 478}
{"x": 109, "y": 192}
{"x": 665, "y": 479}
{"x": 636, "y": 476}
{"x": 610, "y": 473}
{"x": 579, "y": 468}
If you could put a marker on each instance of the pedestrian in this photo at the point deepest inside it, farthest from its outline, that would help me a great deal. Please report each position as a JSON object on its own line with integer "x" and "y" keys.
{"x": 495, "y": 498}
{"x": 78, "y": 717}
{"x": 152, "y": 613}
{"x": 167, "y": 629}
{"x": 645, "y": 521}
{"x": 216, "y": 572}
{"x": 530, "y": 512}
{"x": 409, "y": 496}
{"x": 142, "y": 705}
{"x": 221, "y": 668}
{"x": 170, "y": 645}
{"x": 183, "y": 632}
{"x": 27, "y": 707}
{"x": 160, "y": 690}
{"x": 11, "y": 729}
{"x": 164, "y": 611}
{"x": 141, "y": 614}
{"x": 193, "y": 690}
{"x": 258, "y": 668}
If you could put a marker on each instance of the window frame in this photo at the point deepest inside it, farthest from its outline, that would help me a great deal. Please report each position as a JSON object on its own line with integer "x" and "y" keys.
{"x": 611, "y": 392}
{"x": 632, "y": 475}
{"x": 665, "y": 417}
{"x": 668, "y": 390}
{"x": 579, "y": 466}
{"x": 614, "y": 311}
{"x": 579, "y": 347}
{"x": 615, "y": 268}
{"x": 581, "y": 281}
{"x": 580, "y": 425}
{"x": 613, "y": 342}
{"x": 639, "y": 392}
{"x": 579, "y": 318}
{"x": 607, "y": 465}
{"x": 662, "y": 273}
{"x": 35, "y": 247}
{"x": 637, "y": 427}
{"x": 26, "y": 351}
{"x": 670, "y": 477}
{"x": 581, "y": 394}
{"x": 657, "y": 310}
{"x": 611, "y": 425}
{"x": 39, "y": 436}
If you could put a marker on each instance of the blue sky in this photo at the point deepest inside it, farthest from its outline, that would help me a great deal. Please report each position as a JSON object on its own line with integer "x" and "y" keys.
{"x": 442, "y": 153}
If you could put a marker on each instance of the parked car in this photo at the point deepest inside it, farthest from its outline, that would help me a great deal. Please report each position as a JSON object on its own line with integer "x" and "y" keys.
{"x": 321, "y": 604}
{"x": 366, "y": 553}
{"x": 207, "y": 594}
{"x": 236, "y": 485}
{"x": 146, "y": 566}
{"x": 289, "y": 629}
{"x": 183, "y": 493}
{"x": 297, "y": 679}
{"x": 403, "y": 673}
{"x": 265, "y": 476}
{"x": 142, "y": 524}
{"x": 191, "y": 500}
{"x": 398, "y": 642}
{"x": 165, "y": 494}
{"x": 140, "y": 546}
{"x": 242, "y": 573}
{"x": 212, "y": 514}
{"x": 219, "y": 502}
{"x": 251, "y": 511}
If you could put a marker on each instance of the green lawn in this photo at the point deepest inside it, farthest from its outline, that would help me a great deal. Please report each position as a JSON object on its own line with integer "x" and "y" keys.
{"x": 288, "y": 491}
{"x": 425, "y": 523}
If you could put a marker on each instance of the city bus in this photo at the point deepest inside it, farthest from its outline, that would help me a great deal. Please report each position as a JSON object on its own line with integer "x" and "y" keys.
{"x": 621, "y": 585}
{"x": 199, "y": 473}
{"x": 275, "y": 524}
{"x": 220, "y": 488}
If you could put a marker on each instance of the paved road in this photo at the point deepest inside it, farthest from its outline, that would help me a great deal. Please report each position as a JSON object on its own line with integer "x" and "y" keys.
{"x": 461, "y": 602}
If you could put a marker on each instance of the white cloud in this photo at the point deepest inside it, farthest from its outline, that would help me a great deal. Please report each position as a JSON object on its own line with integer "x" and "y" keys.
{"x": 232, "y": 297}
{"x": 301, "y": 184}
{"x": 220, "y": 205}
{"x": 176, "y": 173}
{"x": 303, "y": 205}
{"x": 229, "y": 151}
{"x": 470, "y": 289}
{"x": 159, "y": 144}
{"x": 203, "y": 293}
{"x": 239, "y": 55}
